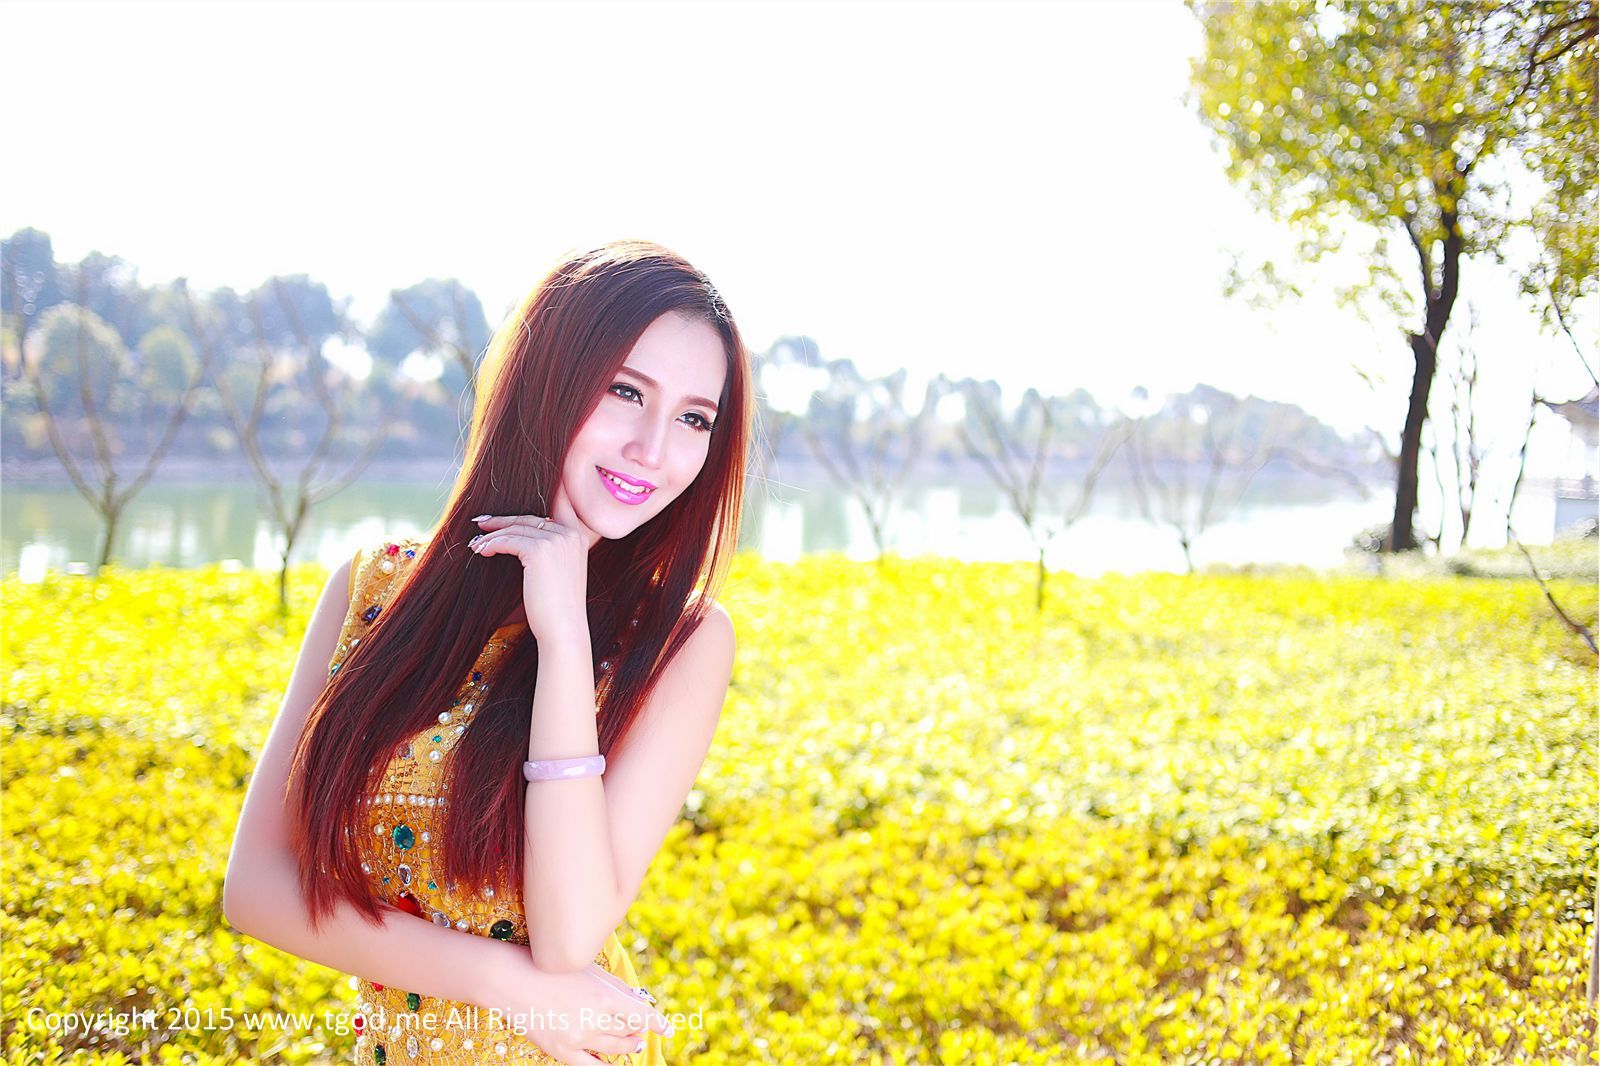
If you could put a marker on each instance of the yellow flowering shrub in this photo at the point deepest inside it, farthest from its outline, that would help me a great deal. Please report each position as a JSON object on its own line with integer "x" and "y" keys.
{"x": 1173, "y": 819}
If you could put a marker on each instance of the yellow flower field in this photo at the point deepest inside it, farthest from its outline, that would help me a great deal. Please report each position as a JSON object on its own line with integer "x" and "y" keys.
{"x": 1175, "y": 819}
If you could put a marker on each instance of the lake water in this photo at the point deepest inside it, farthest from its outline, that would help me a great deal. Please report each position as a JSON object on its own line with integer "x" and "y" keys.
{"x": 184, "y": 524}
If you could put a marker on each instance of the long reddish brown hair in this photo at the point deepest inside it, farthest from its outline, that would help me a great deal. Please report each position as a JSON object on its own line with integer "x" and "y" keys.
{"x": 544, "y": 371}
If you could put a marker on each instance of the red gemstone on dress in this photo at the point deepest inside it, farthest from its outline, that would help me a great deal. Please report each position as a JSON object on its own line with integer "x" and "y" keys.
{"x": 408, "y": 903}
{"x": 376, "y": 987}
{"x": 393, "y": 549}
{"x": 359, "y": 1023}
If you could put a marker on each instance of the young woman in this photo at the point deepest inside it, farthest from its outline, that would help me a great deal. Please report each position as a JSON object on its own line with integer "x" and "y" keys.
{"x": 490, "y": 730}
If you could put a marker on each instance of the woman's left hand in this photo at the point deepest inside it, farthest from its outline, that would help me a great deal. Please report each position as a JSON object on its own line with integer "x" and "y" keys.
{"x": 555, "y": 566}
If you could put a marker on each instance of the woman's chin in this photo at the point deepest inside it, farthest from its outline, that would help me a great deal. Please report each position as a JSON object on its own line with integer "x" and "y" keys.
{"x": 614, "y": 524}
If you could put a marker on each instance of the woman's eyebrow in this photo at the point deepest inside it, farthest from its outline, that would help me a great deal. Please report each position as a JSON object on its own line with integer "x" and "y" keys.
{"x": 653, "y": 383}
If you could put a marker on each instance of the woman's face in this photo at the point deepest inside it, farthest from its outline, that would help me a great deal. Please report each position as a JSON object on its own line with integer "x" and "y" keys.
{"x": 651, "y": 430}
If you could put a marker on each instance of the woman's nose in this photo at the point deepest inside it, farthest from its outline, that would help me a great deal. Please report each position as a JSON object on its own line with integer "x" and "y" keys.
{"x": 647, "y": 444}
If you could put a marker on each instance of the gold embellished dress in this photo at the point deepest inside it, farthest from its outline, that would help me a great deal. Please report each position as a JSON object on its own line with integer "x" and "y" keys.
{"x": 398, "y": 1026}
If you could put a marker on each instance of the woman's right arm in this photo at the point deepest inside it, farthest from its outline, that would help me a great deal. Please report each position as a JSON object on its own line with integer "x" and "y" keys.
{"x": 261, "y": 892}
{"x": 261, "y": 898}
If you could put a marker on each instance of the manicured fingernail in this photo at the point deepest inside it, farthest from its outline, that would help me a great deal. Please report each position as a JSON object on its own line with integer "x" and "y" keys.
{"x": 638, "y": 1047}
{"x": 480, "y": 518}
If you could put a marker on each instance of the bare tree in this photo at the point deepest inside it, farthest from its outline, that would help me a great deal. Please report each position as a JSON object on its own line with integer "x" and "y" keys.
{"x": 1467, "y": 452}
{"x": 290, "y": 504}
{"x": 137, "y": 392}
{"x": 1200, "y": 432}
{"x": 1015, "y": 452}
{"x": 868, "y": 440}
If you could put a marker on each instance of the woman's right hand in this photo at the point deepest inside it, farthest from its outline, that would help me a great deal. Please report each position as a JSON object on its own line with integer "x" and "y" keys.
{"x": 572, "y": 1013}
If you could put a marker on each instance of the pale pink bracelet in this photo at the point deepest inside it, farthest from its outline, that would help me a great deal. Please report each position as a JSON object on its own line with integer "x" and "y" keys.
{"x": 560, "y": 769}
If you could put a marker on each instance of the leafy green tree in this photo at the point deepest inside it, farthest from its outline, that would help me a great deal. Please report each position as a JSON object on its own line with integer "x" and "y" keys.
{"x": 102, "y": 404}
{"x": 1403, "y": 122}
{"x": 28, "y": 288}
{"x": 439, "y": 317}
{"x": 269, "y": 350}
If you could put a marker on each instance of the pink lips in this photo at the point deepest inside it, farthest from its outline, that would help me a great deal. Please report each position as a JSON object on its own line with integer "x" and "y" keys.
{"x": 621, "y": 493}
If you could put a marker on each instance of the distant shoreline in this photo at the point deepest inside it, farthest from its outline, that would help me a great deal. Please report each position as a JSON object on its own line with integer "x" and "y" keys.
{"x": 188, "y": 470}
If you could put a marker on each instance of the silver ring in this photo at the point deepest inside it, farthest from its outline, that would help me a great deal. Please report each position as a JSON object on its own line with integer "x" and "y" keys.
{"x": 646, "y": 996}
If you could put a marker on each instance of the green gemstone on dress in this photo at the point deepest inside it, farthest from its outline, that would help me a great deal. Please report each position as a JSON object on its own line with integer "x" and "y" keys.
{"x": 437, "y": 738}
{"x": 433, "y": 886}
{"x": 404, "y": 837}
{"x": 379, "y": 1055}
{"x": 502, "y": 929}
{"x": 413, "y": 1001}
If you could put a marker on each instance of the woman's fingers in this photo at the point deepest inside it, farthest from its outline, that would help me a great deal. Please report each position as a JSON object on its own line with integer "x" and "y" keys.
{"x": 504, "y": 520}
{"x": 615, "y": 1044}
{"x": 654, "y": 1018}
{"x": 498, "y": 527}
{"x": 509, "y": 534}
{"x": 602, "y": 1044}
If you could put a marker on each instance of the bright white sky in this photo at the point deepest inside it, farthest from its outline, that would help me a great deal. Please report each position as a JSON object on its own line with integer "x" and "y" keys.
{"x": 1002, "y": 190}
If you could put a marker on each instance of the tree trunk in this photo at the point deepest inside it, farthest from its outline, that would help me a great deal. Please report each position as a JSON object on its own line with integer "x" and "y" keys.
{"x": 111, "y": 520}
{"x": 1439, "y": 299}
{"x": 1405, "y": 496}
{"x": 1038, "y": 596}
{"x": 1594, "y": 948}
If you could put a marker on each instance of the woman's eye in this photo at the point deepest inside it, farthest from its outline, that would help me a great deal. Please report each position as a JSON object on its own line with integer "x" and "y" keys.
{"x": 701, "y": 422}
